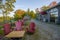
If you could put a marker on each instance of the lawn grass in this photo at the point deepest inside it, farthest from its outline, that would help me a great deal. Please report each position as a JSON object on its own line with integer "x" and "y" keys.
{"x": 1, "y": 31}
{"x": 1, "y": 27}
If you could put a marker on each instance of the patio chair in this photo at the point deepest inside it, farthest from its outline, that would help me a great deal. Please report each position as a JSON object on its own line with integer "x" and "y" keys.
{"x": 7, "y": 28}
{"x": 22, "y": 22}
{"x": 18, "y": 25}
{"x": 31, "y": 28}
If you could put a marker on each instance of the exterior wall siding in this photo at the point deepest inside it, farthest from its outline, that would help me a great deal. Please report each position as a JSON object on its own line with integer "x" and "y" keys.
{"x": 58, "y": 15}
{"x": 48, "y": 14}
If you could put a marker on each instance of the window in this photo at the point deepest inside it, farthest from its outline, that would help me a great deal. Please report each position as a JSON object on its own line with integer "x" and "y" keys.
{"x": 54, "y": 12}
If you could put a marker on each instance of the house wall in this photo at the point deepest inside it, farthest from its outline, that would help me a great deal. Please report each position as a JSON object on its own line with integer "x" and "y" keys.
{"x": 58, "y": 15}
{"x": 48, "y": 14}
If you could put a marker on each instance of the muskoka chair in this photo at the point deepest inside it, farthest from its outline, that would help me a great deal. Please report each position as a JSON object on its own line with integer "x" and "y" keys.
{"x": 18, "y": 25}
{"x": 31, "y": 29}
{"x": 7, "y": 28}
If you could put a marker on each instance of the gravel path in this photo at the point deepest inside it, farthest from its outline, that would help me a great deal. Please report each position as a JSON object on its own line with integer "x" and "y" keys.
{"x": 49, "y": 31}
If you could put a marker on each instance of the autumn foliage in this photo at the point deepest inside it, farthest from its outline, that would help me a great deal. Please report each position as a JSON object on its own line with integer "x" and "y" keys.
{"x": 19, "y": 13}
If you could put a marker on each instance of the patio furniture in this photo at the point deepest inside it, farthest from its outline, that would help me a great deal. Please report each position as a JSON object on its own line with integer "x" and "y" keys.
{"x": 15, "y": 35}
{"x": 7, "y": 29}
{"x": 19, "y": 25}
{"x": 22, "y": 22}
{"x": 43, "y": 12}
{"x": 31, "y": 28}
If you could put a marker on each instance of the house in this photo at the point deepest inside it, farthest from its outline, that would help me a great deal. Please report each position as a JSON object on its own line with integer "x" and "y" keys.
{"x": 53, "y": 14}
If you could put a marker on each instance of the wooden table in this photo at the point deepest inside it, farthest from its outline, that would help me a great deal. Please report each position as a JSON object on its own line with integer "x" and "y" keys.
{"x": 16, "y": 34}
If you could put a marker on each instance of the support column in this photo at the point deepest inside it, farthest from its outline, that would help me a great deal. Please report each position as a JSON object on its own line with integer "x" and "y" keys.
{"x": 48, "y": 16}
{"x": 58, "y": 15}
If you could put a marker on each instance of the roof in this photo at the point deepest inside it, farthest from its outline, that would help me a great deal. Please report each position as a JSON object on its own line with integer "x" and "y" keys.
{"x": 54, "y": 7}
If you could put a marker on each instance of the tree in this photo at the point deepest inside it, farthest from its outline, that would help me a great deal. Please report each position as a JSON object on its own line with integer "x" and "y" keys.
{"x": 28, "y": 12}
{"x": 45, "y": 8}
{"x": 32, "y": 14}
{"x": 19, "y": 14}
{"x": 7, "y": 7}
{"x": 1, "y": 18}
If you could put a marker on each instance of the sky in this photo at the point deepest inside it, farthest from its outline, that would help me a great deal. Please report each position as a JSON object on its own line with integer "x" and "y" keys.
{"x": 32, "y": 4}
